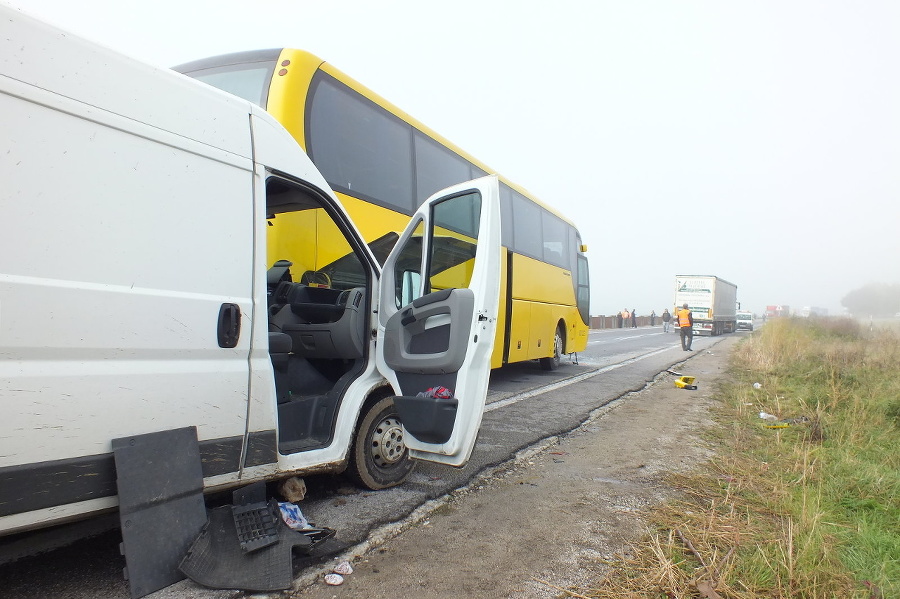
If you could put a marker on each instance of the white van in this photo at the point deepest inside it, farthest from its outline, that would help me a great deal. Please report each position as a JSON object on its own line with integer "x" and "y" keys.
{"x": 135, "y": 296}
{"x": 744, "y": 320}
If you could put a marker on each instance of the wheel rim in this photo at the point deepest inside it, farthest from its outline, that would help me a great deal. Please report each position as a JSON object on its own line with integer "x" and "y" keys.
{"x": 388, "y": 447}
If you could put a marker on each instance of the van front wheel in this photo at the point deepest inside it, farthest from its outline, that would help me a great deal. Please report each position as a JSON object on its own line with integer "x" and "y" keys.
{"x": 380, "y": 457}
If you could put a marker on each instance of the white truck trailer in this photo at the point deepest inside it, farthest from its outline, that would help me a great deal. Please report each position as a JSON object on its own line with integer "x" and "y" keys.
{"x": 711, "y": 300}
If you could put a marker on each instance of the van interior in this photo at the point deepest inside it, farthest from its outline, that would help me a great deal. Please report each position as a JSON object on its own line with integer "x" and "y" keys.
{"x": 317, "y": 319}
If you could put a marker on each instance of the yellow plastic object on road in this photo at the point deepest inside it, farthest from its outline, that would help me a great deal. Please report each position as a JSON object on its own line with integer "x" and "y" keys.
{"x": 686, "y": 382}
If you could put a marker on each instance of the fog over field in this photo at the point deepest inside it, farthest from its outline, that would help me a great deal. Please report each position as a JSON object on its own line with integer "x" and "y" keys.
{"x": 758, "y": 142}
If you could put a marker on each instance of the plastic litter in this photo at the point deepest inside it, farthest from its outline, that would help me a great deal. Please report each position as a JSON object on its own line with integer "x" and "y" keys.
{"x": 757, "y": 386}
{"x": 292, "y": 516}
{"x": 766, "y": 416}
{"x": 344, "y": 568}
{"x": 787, "y": 422}
{"x": 686, "y": 382}
{"x": 334, "y": 579}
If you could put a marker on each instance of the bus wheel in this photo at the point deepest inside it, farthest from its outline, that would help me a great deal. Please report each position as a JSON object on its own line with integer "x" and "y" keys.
{"x": 553, "y": 363}
{"x": 380, "y": 457}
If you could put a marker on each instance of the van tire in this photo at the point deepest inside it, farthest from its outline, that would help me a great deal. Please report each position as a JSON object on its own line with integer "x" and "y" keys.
{"x": 552, "y": 363}
{"x": 380, "y": 458}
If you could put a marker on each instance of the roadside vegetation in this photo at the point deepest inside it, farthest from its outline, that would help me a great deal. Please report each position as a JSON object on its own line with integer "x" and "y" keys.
{"x": 802, "y": 501}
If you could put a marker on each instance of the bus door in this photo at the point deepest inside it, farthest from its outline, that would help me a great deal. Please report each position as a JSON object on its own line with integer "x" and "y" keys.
{"x": 440, "y": 291}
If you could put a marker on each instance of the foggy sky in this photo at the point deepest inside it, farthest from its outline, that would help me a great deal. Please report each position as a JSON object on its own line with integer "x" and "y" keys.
{"x": 758, "y": 142}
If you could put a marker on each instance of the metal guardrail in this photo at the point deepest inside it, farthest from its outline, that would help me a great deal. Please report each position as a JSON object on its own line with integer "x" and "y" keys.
{"x": 612, "y": 322}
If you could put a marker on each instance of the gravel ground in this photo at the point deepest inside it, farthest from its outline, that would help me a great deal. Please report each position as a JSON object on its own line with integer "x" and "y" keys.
{"x": 555, "y": 515}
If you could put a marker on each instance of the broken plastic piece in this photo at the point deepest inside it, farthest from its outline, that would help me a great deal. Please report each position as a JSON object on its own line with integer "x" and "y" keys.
{"x": 216, "y": 559}
{"x": 686, "y": 382}
{"x": 256, "y": 525}
{"x": 334, "y": 579}
{"x": 344, "y": 568}
{"x": 292, "y": 516}
{"x": 784, "y": 423}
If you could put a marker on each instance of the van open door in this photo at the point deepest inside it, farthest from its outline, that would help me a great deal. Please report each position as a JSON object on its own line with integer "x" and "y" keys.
{"x": 438, "y": 307}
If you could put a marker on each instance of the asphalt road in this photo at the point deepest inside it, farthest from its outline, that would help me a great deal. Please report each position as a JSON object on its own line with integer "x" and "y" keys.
{"x": 526, "y": 405}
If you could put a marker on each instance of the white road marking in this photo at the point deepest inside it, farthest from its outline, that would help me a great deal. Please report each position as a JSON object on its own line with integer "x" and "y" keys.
{"x": 565, "y": 383}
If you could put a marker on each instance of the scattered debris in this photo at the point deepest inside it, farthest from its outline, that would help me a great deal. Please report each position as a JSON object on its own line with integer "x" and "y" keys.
{"x": 788, "y": 422}
{"x": 757, "y": 386}
{"x": 334, "y": 579}
{"x": 766, "y": 416}
{"x": 293, "y": 489}
{"x": 256, "y": 523}
{"x": 344, "y": 568}
{"x": 686, "y": 382}
{"x": 292, "y": 516}
{"x": 249, "y": 544}
{"x": 438, "y": 392}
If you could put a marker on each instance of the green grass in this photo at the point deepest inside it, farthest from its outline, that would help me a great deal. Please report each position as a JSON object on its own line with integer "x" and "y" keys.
{"x": 810, "y": 511}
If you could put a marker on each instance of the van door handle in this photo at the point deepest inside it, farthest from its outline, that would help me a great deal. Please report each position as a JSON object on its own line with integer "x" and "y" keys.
{"x": 229, "y": 325}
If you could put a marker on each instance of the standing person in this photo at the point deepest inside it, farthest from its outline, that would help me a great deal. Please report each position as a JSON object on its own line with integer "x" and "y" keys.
{"x": 634, "y": 318}
{"x": 686, "y": 327}
{"x": 618, "y": 320}
{"x": 652, "y": 318}
{"x": 666, "y": 317}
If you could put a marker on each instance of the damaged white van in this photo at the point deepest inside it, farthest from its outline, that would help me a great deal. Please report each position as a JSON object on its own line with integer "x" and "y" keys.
{"x": 137, "y": 294}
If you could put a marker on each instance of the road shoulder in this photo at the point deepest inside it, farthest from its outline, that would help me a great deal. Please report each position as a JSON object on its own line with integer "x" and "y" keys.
{"x": 554, "y": 519}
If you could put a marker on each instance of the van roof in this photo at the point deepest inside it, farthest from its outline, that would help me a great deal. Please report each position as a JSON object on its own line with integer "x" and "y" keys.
{"x": 110, "y": 81}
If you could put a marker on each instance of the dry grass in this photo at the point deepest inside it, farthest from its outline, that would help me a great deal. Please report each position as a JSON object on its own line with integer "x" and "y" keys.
{"x": 783, "y": 513}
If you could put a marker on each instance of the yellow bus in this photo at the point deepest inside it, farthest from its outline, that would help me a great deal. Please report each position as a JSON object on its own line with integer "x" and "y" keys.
{"x": 382, "y": 164}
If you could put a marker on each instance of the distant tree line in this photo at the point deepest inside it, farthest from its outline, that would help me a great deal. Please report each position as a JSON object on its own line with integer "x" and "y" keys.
{"x": 874, "y": 299}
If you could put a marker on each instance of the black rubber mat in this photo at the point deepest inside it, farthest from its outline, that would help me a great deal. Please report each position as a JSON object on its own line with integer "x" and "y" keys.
{"x": 161, "y": 509}
{"x": 216, "y": 559}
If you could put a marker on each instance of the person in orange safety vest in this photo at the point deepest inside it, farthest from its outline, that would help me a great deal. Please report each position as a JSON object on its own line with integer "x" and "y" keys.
{"x": 685, "y": 326}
